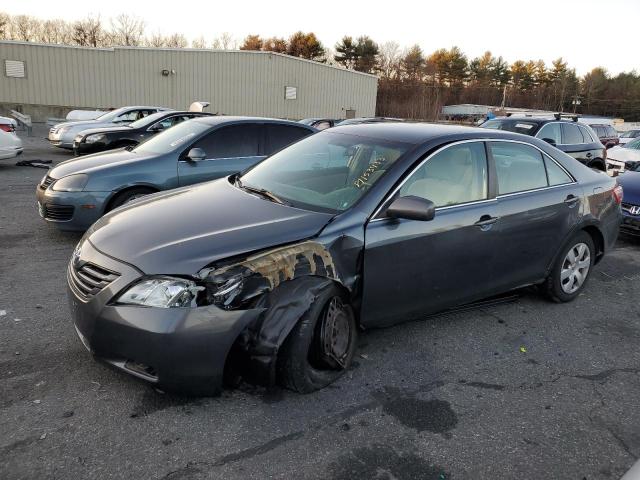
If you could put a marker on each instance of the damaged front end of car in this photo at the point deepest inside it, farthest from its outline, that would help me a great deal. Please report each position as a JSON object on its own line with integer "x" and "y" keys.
{"x": 282, "y": 283}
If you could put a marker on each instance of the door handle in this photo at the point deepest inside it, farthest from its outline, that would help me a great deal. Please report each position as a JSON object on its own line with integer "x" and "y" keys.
{"x": 485, "y": 222}
{"x": 571, "y": 200}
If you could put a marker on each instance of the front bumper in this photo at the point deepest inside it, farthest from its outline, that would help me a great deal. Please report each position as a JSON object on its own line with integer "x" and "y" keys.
{"x": 58, "y": 140}
{"x": 630, "y": 224}
{"x": 82, "y": 148}
{"x": 70, "y": 211}
{"x": 181, "y": 349}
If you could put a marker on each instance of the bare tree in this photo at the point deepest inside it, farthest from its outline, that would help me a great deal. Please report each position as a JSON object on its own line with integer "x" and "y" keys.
{"x": 5, "y": 26}
{"x": 227, "y": 42}
{"x": 88, "y": 32}
{"x": 25, "y": 28}
{"x": 55, "y": 31}
{"x": 157, "y": 40}
{"x": 199, "y": 42}
{"x": 177, "y": 40}
{"x": 389, "y": 58}
{"x": 127, "y": 30}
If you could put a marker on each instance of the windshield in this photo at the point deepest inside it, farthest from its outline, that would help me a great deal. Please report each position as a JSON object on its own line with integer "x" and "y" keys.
{"x": 172, "y": 138}
{"x": 148, "y": 120}
{"x": 328, "y": 171}
{"x": 110, "y": 116}
{"x": 629, "y": 134}
{"x": 633, "y": 144}
{"x": 512, "y": 125}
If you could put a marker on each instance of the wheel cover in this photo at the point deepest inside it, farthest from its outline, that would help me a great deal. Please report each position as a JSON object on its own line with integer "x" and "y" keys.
{"x": 133, "y": 197}
{"x": 335, "y": 334}
{"x": 575, "y": 268}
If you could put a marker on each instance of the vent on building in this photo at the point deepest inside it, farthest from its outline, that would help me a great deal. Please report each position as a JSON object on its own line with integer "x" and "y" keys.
{"x": 290, "y": 93}
{"x": 14, "y": 68}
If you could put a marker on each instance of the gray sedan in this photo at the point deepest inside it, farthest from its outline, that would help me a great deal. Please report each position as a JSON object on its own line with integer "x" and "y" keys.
{"x": 62, "y": 134}
{"x": 77, "y": 192}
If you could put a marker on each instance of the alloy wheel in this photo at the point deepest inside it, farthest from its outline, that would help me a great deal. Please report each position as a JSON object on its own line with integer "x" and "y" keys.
{"x": 575, "y": 268}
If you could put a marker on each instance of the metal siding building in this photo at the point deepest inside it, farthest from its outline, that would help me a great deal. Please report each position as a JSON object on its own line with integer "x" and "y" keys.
{"x": 235, "y": 82}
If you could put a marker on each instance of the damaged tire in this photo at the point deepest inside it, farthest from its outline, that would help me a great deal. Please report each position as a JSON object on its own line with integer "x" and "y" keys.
{"x": 321, "y": 346}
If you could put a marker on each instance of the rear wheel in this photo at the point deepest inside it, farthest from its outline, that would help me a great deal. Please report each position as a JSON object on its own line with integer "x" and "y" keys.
{"x": 572, "y": 268}
{"x": 321, "y": 346}
{"x": 128, "y": 196}
{"x": 597, "y": 164}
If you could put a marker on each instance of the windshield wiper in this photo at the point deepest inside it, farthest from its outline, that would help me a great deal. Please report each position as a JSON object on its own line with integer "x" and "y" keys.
{"x": 260, "y": 191}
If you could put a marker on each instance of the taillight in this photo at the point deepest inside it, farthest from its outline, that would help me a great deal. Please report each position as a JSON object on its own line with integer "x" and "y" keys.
{"x": 617, "y": 194}
{"x": 7, "y": 127}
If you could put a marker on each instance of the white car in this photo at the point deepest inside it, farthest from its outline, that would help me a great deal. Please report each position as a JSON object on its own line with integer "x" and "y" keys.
{"x": 624, "y": 157}
{"x": 62, "y": 134}
{"x": 10, "y": 145}
{"x": 628, "y": 136}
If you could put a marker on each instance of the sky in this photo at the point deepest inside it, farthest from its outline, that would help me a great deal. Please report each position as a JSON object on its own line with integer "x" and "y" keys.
{"x": 586, "y": 33}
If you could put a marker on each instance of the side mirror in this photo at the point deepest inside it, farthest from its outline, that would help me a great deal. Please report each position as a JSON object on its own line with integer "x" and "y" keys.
{"x": 196, "y": 154}
{"x": 412, "y": 208}
{"x": 550, "y": 141}
{"x": 157, "y": 127}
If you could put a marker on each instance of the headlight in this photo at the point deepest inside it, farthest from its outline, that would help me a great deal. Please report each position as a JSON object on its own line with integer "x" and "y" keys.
{"x": 71, "y": 183}
{"x": 96, "y": 137}
{"x": 62, "y": 130}
{"x": 163, "y": 292}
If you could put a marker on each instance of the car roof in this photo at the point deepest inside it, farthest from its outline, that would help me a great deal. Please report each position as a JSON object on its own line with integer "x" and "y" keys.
{"x": 228, "y": 119}
{"x": 418, "y": 133}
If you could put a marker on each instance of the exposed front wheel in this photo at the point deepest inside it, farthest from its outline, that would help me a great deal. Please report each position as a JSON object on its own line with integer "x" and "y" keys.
{"x": 571, "y": 269}
{"x": 321, "y": 346}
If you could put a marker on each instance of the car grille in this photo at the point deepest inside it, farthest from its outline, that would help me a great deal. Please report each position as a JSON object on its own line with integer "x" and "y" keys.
{"x": 628, "y": 207}
{"x": 46, "y": 182}
{"x": 89, "y": 279}
{"x": 60, "y": 213}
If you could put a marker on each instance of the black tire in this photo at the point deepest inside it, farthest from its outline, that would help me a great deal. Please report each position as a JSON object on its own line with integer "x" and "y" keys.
{"x": 553, "y": 284}
{"x": 303, "y": 365}
{"x": 598, "y": 165}
{"x": 128, "y": 195}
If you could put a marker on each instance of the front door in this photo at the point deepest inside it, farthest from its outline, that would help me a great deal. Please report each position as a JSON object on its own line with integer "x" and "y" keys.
{"x": 411, "y": 267}
{"x": 228, "y": 150}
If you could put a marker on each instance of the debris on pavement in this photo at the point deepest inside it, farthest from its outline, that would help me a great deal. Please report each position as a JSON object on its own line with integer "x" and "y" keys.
{"x": 523, "y": 349}
{"x": 34, "y": 163}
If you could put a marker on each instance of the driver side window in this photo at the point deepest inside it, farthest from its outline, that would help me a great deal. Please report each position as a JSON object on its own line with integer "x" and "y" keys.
{"x": 453, "y": 176}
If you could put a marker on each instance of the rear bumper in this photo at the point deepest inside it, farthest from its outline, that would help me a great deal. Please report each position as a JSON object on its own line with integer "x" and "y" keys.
{"x": 182, "y": 349}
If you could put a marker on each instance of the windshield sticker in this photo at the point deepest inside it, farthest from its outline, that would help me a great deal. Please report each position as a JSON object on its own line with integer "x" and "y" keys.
{"x": 361, "y": 181}
{"x": 524, "y": 125}
{"x": 182, "y": 139}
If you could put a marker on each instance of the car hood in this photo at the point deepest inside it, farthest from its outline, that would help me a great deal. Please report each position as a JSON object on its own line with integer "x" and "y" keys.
{"x": 624, "y": 154}
{"x": 181, "y": 231}
{"x": 93, "y": 162}
{"x": 76, "y": 127}
{"x": 630, "y": 182}
{"x": 111, "y": 129}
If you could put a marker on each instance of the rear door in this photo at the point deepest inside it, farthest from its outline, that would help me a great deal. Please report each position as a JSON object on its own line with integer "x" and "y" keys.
{"x": 228, "y": 150}
{"x": 538, "y": 205}
{"x": 573, "y": 143}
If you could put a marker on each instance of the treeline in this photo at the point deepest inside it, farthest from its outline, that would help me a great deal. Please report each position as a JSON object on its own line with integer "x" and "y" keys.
{"x": 413, "y": 84}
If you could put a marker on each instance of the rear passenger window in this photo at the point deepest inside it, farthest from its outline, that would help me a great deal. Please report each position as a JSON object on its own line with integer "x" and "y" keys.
{"x": 571, "y": 134}
{"x": 231, "y": 142}
{"x": 588, "y": 137}
{"x": 518, "y": 167}
{"x": 456, "y": 175}
{"x": 555, "y": 173}
{"x": 279, "y": 136}
{"x": 550, "y": 131}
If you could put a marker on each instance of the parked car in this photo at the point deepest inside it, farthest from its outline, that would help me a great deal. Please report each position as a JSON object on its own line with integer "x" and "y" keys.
{"x": 10, "y": 144}
{"x": 77, "y": 192}
{"x": 62, "y": 134}
{"x": 628, "y": 136}
{"x": 624, "y": 157}
{"x": 576, "y": 139}
{"x": 320, "y": 123}
{"x": 606, "y": 134}
{"x": 268, "y": 274}
{"x": 107, "y": 138}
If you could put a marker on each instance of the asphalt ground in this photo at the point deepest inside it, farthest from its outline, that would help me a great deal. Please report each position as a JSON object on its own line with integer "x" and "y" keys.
{"x": 521, "y": 390}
